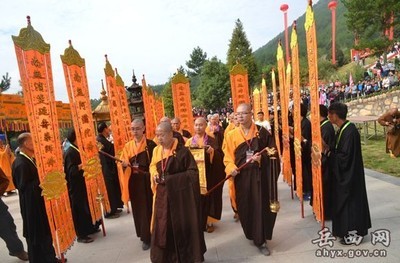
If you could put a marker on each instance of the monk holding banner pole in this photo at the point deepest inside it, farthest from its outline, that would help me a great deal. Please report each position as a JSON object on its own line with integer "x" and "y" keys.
{"x": 252, "y": 184}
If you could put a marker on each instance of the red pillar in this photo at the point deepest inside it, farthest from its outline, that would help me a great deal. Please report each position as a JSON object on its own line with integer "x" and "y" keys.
{"x": 284, "y": 8}
{"x": 332, "y": 6}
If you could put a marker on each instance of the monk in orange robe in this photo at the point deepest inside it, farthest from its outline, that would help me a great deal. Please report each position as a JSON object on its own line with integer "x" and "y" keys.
{"x": 6, "y": 160}
{"x": 137, "y": 153}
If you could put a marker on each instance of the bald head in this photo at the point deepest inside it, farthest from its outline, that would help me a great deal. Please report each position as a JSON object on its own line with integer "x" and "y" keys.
{"x": 137, "y": 128}
{"x": 164, "y": 134}
{"x": 200, "y": 125}
{"x": 25, "y": 143}
{"x": 244, "y": 106}
{"x": 165, "y": 119}
{"x": 176, "y": 124}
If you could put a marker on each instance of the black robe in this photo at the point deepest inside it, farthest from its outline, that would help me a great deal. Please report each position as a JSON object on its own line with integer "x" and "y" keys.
{"x": 328, "y": 136}
{"x": 140, "y": 193}
{"x": 253, "y": 185}
{"x": 306, "y": 156}
{"x": 110, "y": 173}
{"x": 77, "y": 193}
{"x": 177, "y": 232}
{"x": 36, "y": 227}
{"x": 351, "y": 210}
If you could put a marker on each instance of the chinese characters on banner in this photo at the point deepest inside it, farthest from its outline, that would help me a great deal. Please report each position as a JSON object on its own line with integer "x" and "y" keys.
{"x": 316, "y": 147}
{"x": 239, "y": 85}
{"x": 33, "y": 57}
{"x": 182, "y": 101}
{"x": 148, "y": 112}
{"x": 126, "y": 115}
{"x": 117, "y": 122}
{"x": 78, "y": 93}
{"x": 296, "y": 113}
{"x": 284, "y": 99}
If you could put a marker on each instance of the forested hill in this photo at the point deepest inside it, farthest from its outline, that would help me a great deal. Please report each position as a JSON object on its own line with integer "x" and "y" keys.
{"x": 266, "y": 55}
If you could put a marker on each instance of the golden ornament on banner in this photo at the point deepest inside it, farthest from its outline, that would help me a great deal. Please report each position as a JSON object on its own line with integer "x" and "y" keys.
{"x": 199, "y": 157}
{"x": 316, "y": 155}
{"x": 92, "y": 168}
{"x": 54, "y": 185}
{"x": 297, "y": 148}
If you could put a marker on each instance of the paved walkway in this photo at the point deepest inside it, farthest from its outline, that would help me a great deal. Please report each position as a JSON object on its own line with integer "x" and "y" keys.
{"x": 291, "y": 241}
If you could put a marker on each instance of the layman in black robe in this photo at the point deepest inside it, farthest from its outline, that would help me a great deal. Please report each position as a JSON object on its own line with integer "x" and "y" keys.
{"x": 110, "y": 172}
{"x": 214, "y": 169}
{"x": 254, "y": 182}
{"x": 77, "y": 191}
{"x": 215, "y": 130}
{"x": 328, "y": 148}
{"x": 36, "y": 227}
{"x": 306, "y": 153}
{"x": 350, "y": 203}
{"x": 138, "y": 153}
{"x": 177, "y": 234}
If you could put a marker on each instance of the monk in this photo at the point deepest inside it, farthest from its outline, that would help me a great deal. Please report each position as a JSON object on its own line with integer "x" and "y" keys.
{"x": 391, "y": 120}
{"x": 215, "y": 130}
{"x": 176, "y": 125}
{"x": 254, "y": 182}
{"x": 214, "y": 166}
{"x": 137, "y": 153}
{"x": 6, "y": 160}
{"x": 177, "y": 234}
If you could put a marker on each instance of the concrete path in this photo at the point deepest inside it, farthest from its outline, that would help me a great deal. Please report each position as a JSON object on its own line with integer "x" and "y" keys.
{"x": 292, "y": 240}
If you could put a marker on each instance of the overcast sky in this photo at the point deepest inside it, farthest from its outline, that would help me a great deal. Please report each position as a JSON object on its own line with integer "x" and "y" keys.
{"x": 153, "y": 37}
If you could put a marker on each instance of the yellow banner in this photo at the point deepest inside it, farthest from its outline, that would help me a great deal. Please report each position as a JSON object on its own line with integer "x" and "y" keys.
{"x": 296, "y": 112}
{"x": 284, "y": 98}
{"x": 182, "y": 101}
{"x": 239, "y": 85}
{"x": 126, "y": 115}
{"x": 276, "y": 115}
{"x": 33, "y": 56}
{"x": 256, "y": 102}
{"x": 311, "y": 39}
{"x": 264, "y": 99}
{"x": 78, "y": 93}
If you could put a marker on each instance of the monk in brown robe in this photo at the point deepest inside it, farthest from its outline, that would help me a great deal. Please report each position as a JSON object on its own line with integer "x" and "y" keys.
{"x": 254, "y": 182}
{"x": 177, "y": 234}
{"x": 391, "y": 120}
{"x": 212, "y": 204}
{"x": 137, "y": 153}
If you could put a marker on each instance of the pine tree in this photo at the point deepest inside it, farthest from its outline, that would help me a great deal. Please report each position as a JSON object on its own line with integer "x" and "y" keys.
{"x": 197, "y": 59}
{"x": 5, "y": 83}
{"x": 240, "y": 51}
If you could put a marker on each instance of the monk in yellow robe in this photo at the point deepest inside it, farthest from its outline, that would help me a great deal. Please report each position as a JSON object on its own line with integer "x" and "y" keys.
{"x": 136, "y": 155}
{"x": 254, "y": 182}
{"x": 6, "y": 160}
{"x": 214, "y": 166}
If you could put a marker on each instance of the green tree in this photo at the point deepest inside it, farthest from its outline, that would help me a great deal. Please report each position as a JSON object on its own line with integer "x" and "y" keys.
{"x": 167, "y": 96}
{"x": 94, "y": 103}
{"x": 369, "y": 20}
{"x": 240, "y": 51}
{"x": 197, "y": 59}
{"x": 5, "y": 83}
{"x": 214, "y": 89}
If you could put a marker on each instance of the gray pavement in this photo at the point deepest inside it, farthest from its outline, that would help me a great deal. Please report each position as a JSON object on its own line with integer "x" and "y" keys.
{"x": 292, "y": 240}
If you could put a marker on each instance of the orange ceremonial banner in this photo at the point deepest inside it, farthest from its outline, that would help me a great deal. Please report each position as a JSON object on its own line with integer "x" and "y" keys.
{"x": 311, "y": 39}
{"x": 296, "y": 112}
{"x": 239, "y": 85}
{"x": 33, "y": 56}
{"x": 284, "y": 98}
{"x": 182, "y": 101}
{"x": 264, "y": 99}
{"x": 78, "y": 93}
{"x": 276, "y": 115}
{"x": 256, "y": 102}
{"x": 148, "y": 112}
{"x": 126, "y": 115}
{"x": 117, "y": 122}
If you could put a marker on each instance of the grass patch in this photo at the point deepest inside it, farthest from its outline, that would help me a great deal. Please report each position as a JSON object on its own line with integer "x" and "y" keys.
{"x": 376, "y": 158}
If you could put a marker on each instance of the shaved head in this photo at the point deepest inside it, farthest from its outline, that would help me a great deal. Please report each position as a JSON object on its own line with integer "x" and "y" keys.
{"x": 164, "y": 134}
{"x": 165, "y": 119}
